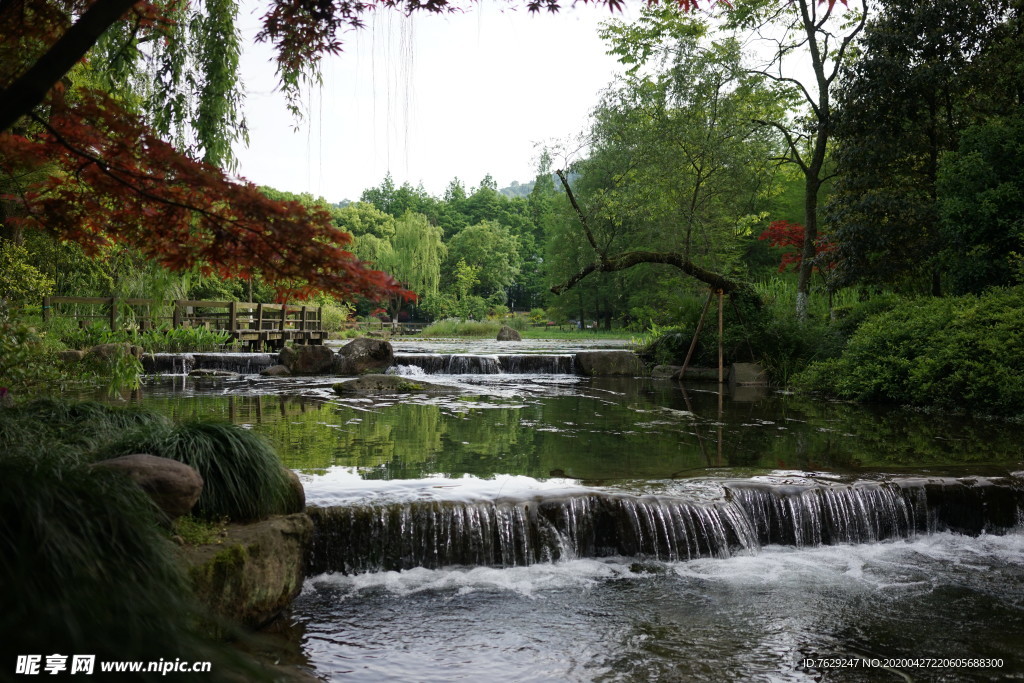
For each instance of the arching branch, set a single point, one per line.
(635, 258)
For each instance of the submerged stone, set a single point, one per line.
(385, 384)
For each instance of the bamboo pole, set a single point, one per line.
(696, 336)
(721, 340)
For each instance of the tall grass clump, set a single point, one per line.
(243, 479)
(79, 428)
(85, 565)
(462, 328)
(957, 353)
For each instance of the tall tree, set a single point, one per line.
(902, 105)
(799, 33)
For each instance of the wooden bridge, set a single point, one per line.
(256, 325)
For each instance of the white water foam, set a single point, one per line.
(345, 486)
(899, 566)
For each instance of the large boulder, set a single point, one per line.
(276, 371)
(609, 364)
(254, 571)
(506, 333)
(364, 355)
(173, 485)
(71, 355)
(312, 359)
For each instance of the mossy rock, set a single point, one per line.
(385, 384)
(251, 574)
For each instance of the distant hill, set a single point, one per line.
(517, 190)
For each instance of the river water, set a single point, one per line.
(543, 526)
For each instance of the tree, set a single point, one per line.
(192, 211)
(676, 166)
(981, 201)
(491, 248)
(902, 105)
(823, 41)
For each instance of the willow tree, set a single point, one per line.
(677, 170)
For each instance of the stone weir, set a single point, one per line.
(471, 364)
(747, 516)
(184, 363)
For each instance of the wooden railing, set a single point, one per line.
(248, 322)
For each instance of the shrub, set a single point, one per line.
(956, 353)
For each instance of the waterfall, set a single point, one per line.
(184, 363)
(471, 364)
(748, 516)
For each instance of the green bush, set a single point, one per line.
(960, 353)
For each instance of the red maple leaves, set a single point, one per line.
(111, 181)
(783, 233)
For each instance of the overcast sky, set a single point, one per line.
(428, 98)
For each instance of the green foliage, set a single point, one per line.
(960, 354)
(981, 200)
(492, 250)
(919, 81)
(25, 364)
(93, 573)
(463, 328)
(243, 479)
(20, 281)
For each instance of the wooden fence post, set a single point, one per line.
(303, 327)
(176, 314)
(232, 317)
(46, 309)
(259, 316)
(113, 314)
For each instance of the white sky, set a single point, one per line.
(428, 98)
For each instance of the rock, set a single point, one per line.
(307, 360)
(385, 384)
(747, 374)
(173, 485)
(252, 574)
(665, 371)
(609, 364)
(286, 356)
(506, 333)
(692, 373)
(71, 355)
(107, 352)
(364, 355)
(296, 493)
(276, 371)
(206, 372)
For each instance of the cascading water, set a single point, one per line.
(746, 517)
(184, 363)
(473, 364)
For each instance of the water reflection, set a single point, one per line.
(594, 430)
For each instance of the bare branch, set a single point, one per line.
(579, 212)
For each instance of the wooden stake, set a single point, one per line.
(721, 340)
(696, 336)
